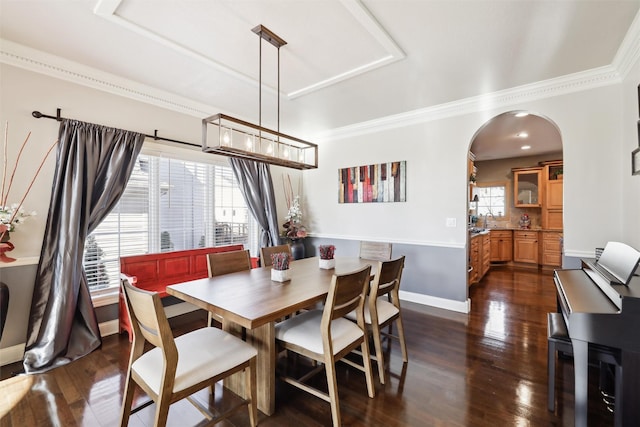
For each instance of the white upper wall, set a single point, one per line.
(436, 155)
(630, 141)
(597, 128)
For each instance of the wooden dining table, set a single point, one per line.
(251, 300)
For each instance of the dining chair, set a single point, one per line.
(220, 263)
(265, 254)
(174, 369)
(381, 312)
(326, 336)
(377, 251)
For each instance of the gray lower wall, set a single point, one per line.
(429, 270)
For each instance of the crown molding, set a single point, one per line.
(44, 63)
(629, 51)
(577, 82)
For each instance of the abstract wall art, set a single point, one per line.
(384, 182)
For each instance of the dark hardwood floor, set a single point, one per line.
(487, 368)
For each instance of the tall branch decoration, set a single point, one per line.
(12, 215)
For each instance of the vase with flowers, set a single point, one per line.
(294, 229)
(280, 268)
(13, 215)
(327, 261)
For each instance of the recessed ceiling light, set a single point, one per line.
(525, 147)
(522, 135)
(522, 114)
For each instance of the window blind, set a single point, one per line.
(168, 205)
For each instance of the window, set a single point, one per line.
(168, 205)
(492, 200)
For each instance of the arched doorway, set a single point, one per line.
(515, 180)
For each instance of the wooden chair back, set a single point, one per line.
(265, 253)
(228, 262)
(149, 323)
(346, 293)
(387, 281)
(378, 251)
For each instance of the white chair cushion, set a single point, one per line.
(304, 330)
(386, 310)
(202, 354)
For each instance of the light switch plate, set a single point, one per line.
(451, 222)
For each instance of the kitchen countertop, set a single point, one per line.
(480, 231)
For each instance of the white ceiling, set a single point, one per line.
(346, 61)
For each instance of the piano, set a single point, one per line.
(600, 304)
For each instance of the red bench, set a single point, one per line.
(154, 272)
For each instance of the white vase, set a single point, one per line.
(327, 264)
(280, 275)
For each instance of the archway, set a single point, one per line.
(504, 145)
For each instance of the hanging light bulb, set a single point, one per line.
(249, 143)
(226, 137)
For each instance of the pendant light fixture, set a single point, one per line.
(228, 136)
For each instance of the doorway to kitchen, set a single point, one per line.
(515, 194)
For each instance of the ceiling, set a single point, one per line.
(516, 134)
(346, 61)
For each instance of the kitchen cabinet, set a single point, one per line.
(471, 171)
(525, 246)
(552, 219)
(551, 248)
(485, 254)
(501, 246)
(479, 256)
(552, 208)
(554, 194)
(527, 187)
(474, 259)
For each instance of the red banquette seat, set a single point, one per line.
(154, 272)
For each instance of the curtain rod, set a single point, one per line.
(39, 115)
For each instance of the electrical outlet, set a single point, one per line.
(451, 222)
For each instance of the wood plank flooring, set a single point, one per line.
(486, 368)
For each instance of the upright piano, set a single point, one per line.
(600, 304)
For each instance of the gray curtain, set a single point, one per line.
(92, 169)
(257, 188)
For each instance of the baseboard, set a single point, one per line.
(109, 328)
(447, 304)
(11, 354)
(178, 309)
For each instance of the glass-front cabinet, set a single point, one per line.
(527, 187)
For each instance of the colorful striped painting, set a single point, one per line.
(384, 182)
